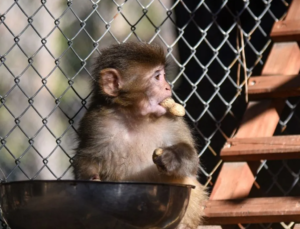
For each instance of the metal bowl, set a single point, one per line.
(88, 204)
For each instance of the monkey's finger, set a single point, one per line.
(157, 152)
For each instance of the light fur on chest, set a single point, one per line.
(129, 151)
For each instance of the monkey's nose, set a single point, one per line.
(168, 88)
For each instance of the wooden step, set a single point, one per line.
(294, 11)
(252, 210)
(288, 30)
(255, 149)
(235, 180)
(275, 86)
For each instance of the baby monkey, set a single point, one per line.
(133, 130)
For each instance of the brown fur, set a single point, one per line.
(116, 143)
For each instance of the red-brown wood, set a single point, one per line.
(294, 11)
(277, 86)
(234, 181)
(255, 149)
(260, 120)
(286, 31)
(283, 59)
(253, 210)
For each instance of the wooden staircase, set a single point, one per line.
(228, 203)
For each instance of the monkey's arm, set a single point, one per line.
(180, 158)
(91, 147)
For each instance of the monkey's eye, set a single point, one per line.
(157, 77)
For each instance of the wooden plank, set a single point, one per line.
(283, 59)
(294, 11)
(225, 187)
(290, 26)
(286, 31)
(252, 210)
(234, 181)
(277, 86)
(260, 120)
(255, 149)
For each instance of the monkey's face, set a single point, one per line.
(157, 91)
(141, 93)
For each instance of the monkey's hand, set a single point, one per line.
(174, 108)
(166, 161)
(179, 160)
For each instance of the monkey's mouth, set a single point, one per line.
(160, 110)
(162, 107)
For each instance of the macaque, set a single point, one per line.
(130, 132)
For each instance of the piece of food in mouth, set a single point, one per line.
(177, 110)
(167, 103)
(174, 108)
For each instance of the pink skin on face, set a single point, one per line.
(159, 90)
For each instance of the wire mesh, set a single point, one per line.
(47, 50)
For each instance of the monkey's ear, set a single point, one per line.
(110, 81)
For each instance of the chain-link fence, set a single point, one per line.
(47, 48)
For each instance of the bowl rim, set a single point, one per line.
(98, 182)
